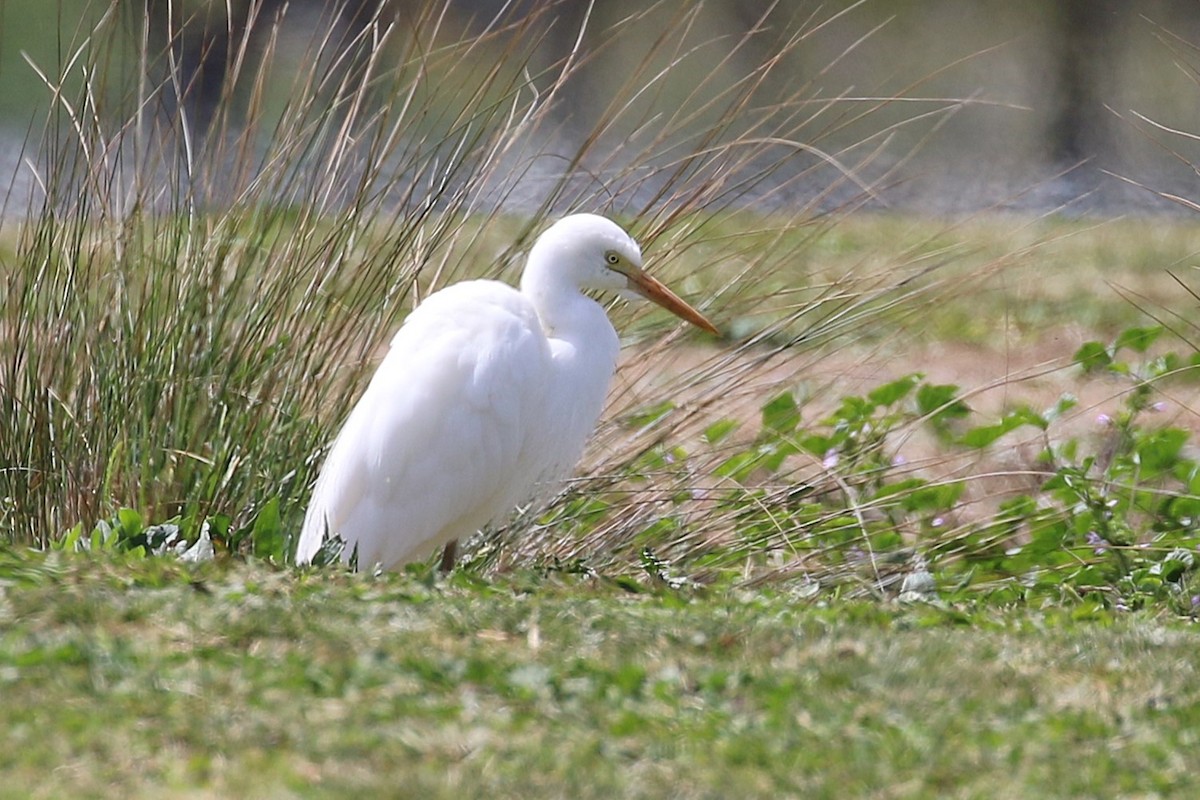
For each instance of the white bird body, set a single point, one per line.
(486, 393)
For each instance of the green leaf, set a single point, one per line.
(1165, 365)
(129, 523)
(781, 414)
(1025, 415)
(266, 537)
(915, 494)
(719, 430)
(652, 460)
(816, 444)
(738, 466)
(1065, 403)
(1046, 539)
(70, 541)
(1177, 562)
(648, 415)
(891, 393)
(1160, 450)
(1018, 507)
(1092, 356)
(900, 487)
(1137, 339)
(772, 455)
(984, 435)
(218, 527)
(853, 410)
(936, 497)
(940, 402)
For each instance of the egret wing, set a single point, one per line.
(439, 442)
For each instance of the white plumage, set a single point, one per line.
(485, 393)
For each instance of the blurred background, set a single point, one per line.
(1010, 104)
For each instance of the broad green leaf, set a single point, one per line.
(935, 497)
(1018, 507)
(717, 431)
(1092, 356)
(267, 534)
(737, 466)
(816, 444)
(129, 523)
(984, 435)
(1160, 450)
(941, 401)
(900, 487)
(1065, 403)
(1137, 339)
(891, 393)
(853, 409)
(1025, 415)
(1164, 365)
(773, 454)
(781, 414)
(915, 494)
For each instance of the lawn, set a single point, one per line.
(146, 678)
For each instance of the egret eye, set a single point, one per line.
(613, 258)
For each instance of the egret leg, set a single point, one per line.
(449, 555)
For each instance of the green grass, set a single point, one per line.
(149, 679)
(992, 281)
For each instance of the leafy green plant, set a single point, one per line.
(127, 532)
(860, 497)
(1115, 518)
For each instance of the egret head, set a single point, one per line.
(588, 251)
(592, 252)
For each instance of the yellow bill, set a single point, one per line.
(654, 291)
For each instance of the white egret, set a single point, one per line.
(485, 393)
